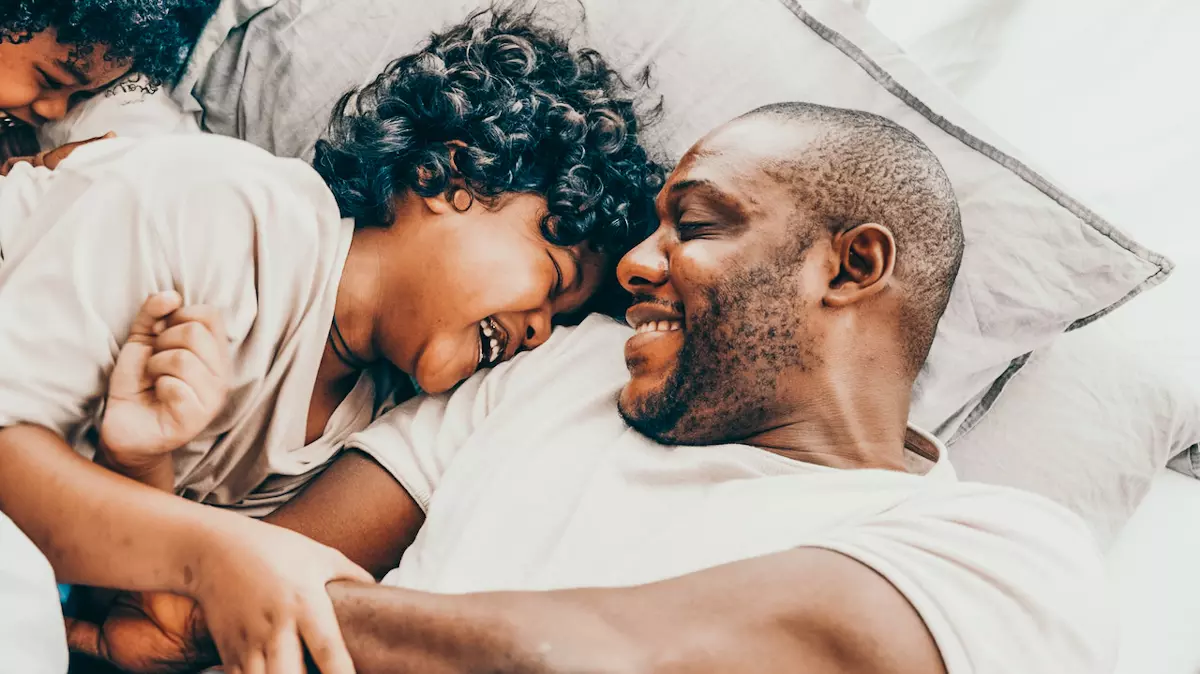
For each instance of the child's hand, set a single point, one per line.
(51, 158)
(259, 602)
(170, 381)
(265, 594)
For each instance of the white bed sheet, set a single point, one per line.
(1153, 567)
(1100, 95)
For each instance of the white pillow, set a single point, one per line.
(1089, 422)
(1037, 262)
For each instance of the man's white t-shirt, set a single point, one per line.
(224, 223)
(531, 481)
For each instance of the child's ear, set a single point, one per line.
(457, 198)
(867, 259)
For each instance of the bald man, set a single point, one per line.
(731, 485)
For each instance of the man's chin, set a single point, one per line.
(650, 413)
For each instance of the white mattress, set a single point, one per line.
(1153, 567)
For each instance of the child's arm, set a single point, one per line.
(261, 587)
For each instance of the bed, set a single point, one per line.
(1089, 94)
(1114, 122)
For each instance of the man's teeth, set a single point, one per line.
(660, 326)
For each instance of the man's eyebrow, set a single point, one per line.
(76, 72)
(691, 184)
(710, 191)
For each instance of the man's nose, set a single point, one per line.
(645, 266)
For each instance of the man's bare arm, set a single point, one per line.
(806, 610)
(356, 507)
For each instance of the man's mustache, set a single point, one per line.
(675, 307)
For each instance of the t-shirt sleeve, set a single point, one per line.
(68, 299)
(1005, 581)
(418, 441)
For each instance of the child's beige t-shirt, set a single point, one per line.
(224, 223)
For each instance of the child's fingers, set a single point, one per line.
(186, 413)
(52, 158)
(12, 162)
(183, 365)
(285, 655)
(128, 377)
(204, 314)
(156, 308)
(323, 637)
(255, 663)
(195, 337)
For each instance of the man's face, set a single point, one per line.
(725, 304)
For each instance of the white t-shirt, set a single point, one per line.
(225, 224)
(32, 637)
(130, 108)
(531, 480)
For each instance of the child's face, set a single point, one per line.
(481, 275)
(40, 78)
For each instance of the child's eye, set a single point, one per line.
(49, 81)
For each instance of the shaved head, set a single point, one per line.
(848, 167)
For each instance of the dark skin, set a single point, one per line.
(806, 610)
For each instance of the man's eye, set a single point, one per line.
(694, 229)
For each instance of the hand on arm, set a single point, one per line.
(806, 610)
(354, 506)
(262, 588)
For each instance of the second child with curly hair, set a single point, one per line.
(237, 315)
(56, 54)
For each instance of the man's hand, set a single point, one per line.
(151, 633)
(51, 158)
(170, 381)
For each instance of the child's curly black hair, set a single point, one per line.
(532, 116)
(157, 36)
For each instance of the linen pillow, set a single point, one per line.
(1089, 422)
(1037, 262)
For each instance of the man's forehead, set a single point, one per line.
(761, 137)
(738, 158)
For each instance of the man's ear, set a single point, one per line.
(867, 258)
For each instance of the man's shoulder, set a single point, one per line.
(595, 346)
(587, 358)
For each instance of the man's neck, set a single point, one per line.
(856, 423)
